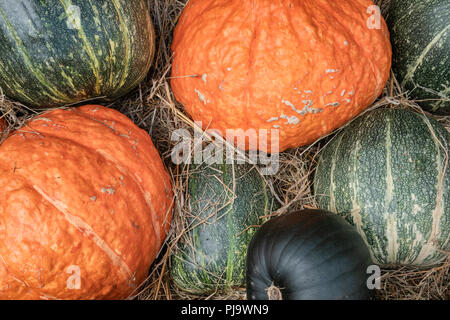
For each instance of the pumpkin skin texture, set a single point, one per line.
(56, 53)
(421, 45)
(386, 173)
(295, 67)
(308, 255)
(210, 256)
(83, 192)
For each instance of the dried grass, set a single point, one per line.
(153, 108)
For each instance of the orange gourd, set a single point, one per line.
(85, 206)
(303, 67)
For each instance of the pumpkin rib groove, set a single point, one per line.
(251, 60)
(355, 205)
(120, 167)
(313, 248)
(141, 189)
(391, 222)
(321, 282)
(332, 205)
(440, 182)
(11, 273)
(87, 232)
(288, 244)
(108, 157)
(271, 267)
(257, 254)
(347, 274)
(83, 210)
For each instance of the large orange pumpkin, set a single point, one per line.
(304, 67)
(85, 205)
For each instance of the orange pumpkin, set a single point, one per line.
(85, 205)
(303, 67)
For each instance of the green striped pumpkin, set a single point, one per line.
(225, 204)
(55, 53)
(387, 173)
(420, 35)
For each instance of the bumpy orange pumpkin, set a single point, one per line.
(85, 205)
(304, 67)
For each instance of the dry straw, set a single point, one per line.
(153, 108)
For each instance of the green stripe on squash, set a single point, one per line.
(225, 204)
(387, 173)
(420, 36)
(46, 60)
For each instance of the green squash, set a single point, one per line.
(226, 202)
(388, 174)
(420, 36)
(55, 53)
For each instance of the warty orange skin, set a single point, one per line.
(303, 67)
(83, 192)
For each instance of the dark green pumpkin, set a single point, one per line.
(54, 53)
(226, 202)
(420, 36)
(308, 255)
(388, 174)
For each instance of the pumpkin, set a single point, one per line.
(278, 74)
(307, 255)
(85, 206)
(421, 43)
(54, 53)
(225, 204)
(387, 173)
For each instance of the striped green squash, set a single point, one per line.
(420, 34)
(54, 53)
(225, 204)
(387, 173)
